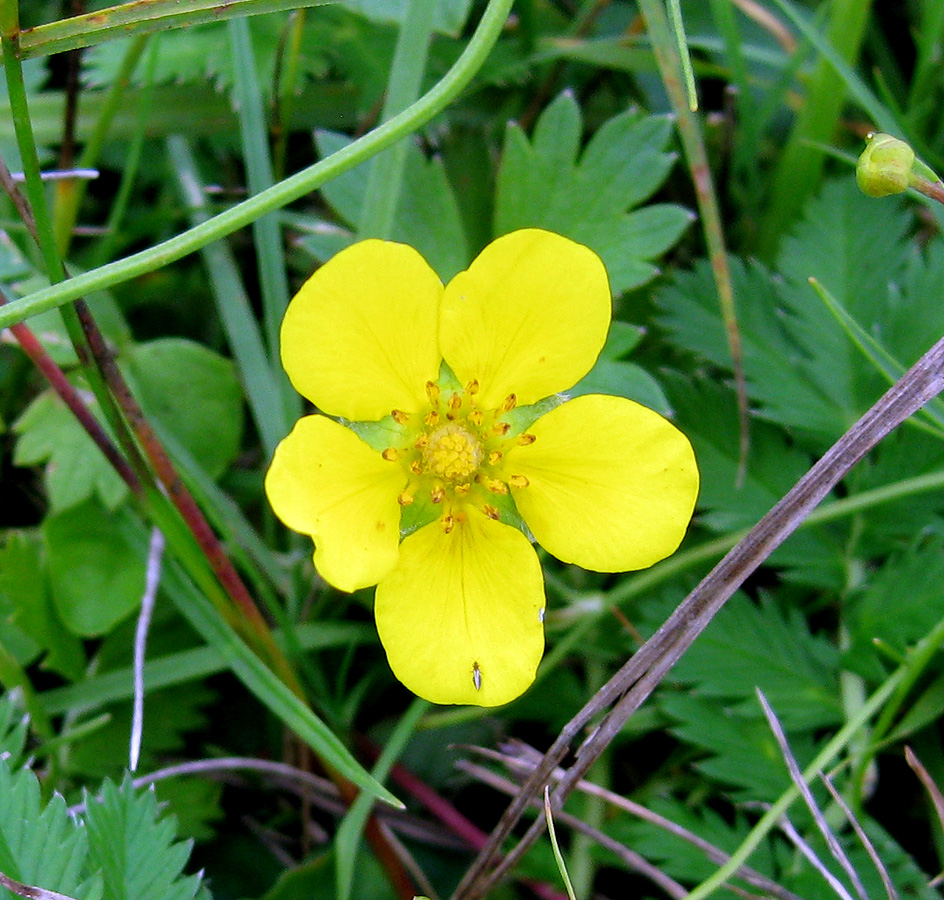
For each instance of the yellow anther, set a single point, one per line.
(400, 417)
(421, 442)
(431, 418)
(525, 439)
(448, 523)
(460, 490)
(476, 417)
(519, 481)
(405, 498)
(501, 428)
(494, 458)
(416, 468)
(455, 401)
(390, 454)
(493, 484)
(432, 391)
(491, 511)
(472, 387)
(437, 494)
(509, 403)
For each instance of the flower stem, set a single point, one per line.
(672, 69)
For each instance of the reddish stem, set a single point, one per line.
(34, 349)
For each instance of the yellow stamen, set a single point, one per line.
(416, 468)
(476, 417)
(437, 494)
(421, 442)
(405, 498)
(493, 484)
(400, 417)
(491, 511)
(390, 454)
(519, 481)
(472, 387)
(501, 428)
(461, 490)
(525, 439)
(431, 418)
(509, 403)
(448, 523)
(494, 458)
(432, 391)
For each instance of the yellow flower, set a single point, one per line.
(432, 501)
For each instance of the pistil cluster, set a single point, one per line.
(455, 453)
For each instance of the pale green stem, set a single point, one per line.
(281, 194)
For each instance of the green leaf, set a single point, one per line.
(801, 368)
(741, 750)
(134, 848)
(194, 803)
(747, 646)
(27, 609)
(542, 185)
(677, 857)
(76, 470)
(427, 215)
(856, 255)
(96, 572)
(623, 379)
(191, 392)
(38, 845)
(775, 367)
(13, 732)
(707, 414)
(899, 604)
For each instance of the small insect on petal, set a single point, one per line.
(476, 676)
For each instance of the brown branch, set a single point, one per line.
(628, 689)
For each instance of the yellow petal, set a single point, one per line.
(460, 616)
(612, 484)
(326, 482)
(529, 316)
(359, 339)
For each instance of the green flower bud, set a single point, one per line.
(885, 166)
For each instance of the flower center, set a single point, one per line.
(452, 453)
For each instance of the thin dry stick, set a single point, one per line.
(796, 776)
(786, 826)
(639, 676)
(522, 758)
(632, 860)
(863, 837)
(151, 582)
